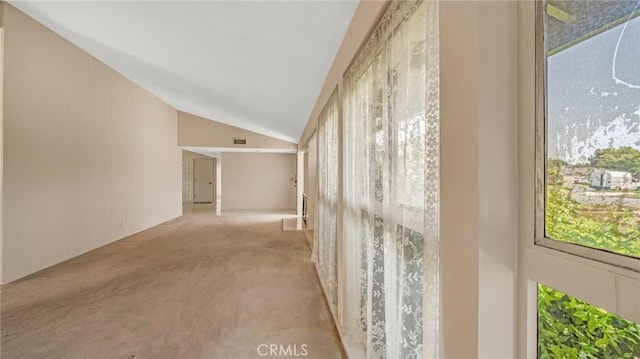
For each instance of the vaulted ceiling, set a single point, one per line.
(258, 65)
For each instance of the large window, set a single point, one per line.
(324, 249)
(588, 166)
(391, 187)
(589, 130)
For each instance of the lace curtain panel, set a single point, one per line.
(324, 249)
(391, 187)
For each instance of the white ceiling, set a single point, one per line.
(258, 65)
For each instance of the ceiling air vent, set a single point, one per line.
(239, 141)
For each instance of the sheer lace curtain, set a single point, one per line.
(391, 187)
(324, 249)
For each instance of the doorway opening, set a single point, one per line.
(203, 179)
(200, 182)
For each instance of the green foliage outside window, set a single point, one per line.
(612, 228)
(568, 327)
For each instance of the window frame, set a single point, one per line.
(540, 239)
(607, 285)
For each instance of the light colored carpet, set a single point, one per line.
(200, 286)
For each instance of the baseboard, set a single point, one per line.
(349, 354)
(308, 235)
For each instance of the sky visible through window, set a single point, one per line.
(587, 108)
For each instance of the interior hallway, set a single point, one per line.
(200, 286)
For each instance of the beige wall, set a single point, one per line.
(498, 200)
(1, 140)
(258, 181)
(89, 156)
(194, 131)
(187, 175)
